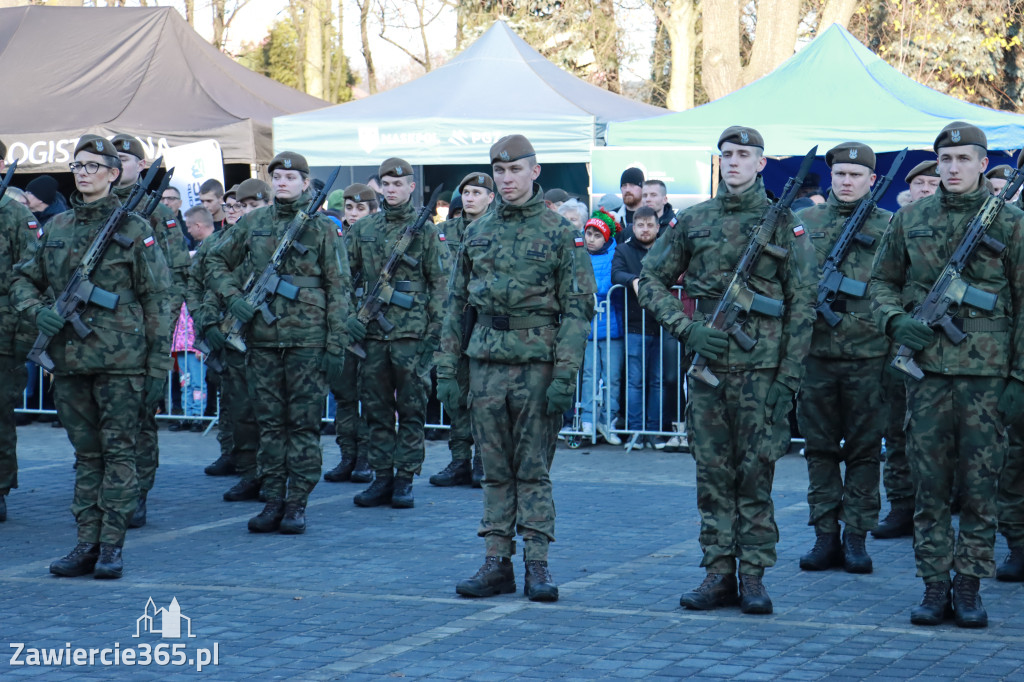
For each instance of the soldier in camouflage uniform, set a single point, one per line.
(104, 379)
(923, 180)
(958, 413)
(738, 430)
(237, 418)
(168, 235)
(19, 235)
(396, 370)
(350, 429)
(524, 271)
(288, 363)
(843, 379)
(477, 193)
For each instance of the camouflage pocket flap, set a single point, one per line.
(313, 297)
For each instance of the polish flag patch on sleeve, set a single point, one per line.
(798, 230)
(172, 223)
(340, 232)
(440, 236)
(35, 227)
(148, 241)
(579, 241)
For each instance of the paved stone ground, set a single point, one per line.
(369, 593)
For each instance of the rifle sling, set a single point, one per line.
(304, 282)
(409, 287)
(507, 322)
(851, 305)
(982, 324)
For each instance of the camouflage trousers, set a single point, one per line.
(460, 437)
(391, 385)
(351, 433)
(837, 403)
(237, 412)
(736, 450)
(147, 449)
(288, 391)
(101, 415)
(225, 429)
(1010, 503)
(954, 421)
(13, 377)
(516, 439)
(899, 489)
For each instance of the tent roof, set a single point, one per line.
(833, 90)
(145, 71)
(496, 86)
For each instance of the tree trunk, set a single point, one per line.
(364, 20)
(190, 12)
(605, 44)
(313, 64)
(836, 12)
(721, 71)
(682, 34)
(218, 24)
(774, 37)
(420, 8)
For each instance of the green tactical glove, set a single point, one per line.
(560, 395)
(907, 331)
(425, 356)
(356, 329)
(778, 403)
(448, 392)
(241, 309)
(334, 364)
(708, 341)
(1011, 402)
(214, 338)
(49, 322)
(153, 392)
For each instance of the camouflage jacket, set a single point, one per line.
(454, 229)
(316, 318)
(920, 240)
(521, 261)
(371, 242)
(706, 244)
(204, 304)
(19, 235)
(856, 336)
(168, 235)
(135, 337)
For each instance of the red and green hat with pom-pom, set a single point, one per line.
(605, 223)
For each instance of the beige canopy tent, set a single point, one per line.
(66, 71)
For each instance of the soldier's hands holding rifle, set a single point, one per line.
(49, 321)
(705, 340)
(241, 309)
(913, 334)
(214, 338)
(355, 328)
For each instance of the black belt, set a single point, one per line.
(304, 282)
(851, 305)
(507, 322)
(982, 324)
(408, 287)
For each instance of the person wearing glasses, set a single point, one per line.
(232, 207)
(104, 379)
(132, 156)
(171, 198)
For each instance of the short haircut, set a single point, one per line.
(174, 189)
(212, 185)
(372, 178)
(645, 212)
(574, 205)
(199, 213)
(657, 182)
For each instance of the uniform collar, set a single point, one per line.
(843, 208)
(96, 210)
(534, 206)
(289, 209)
(398, 214)
(963, 202)
(754, 197)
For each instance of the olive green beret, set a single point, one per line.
(96, 145)
(477, 180)
(1000, 171)
(927, 168)
(289, 161)
(959, 133)
(359, 193)
(395, 167)
(128, 144)
(556, 194)
(253, 188)
(851, 152)
(511, 148)
(741, 135)
(231, 192)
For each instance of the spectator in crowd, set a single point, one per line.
(555, 197)
(643, 350)
(211, 193)
(373, 182)
(903, 198)
(171, 198)
(575, 212)
(43, 199)
(655, 195)
(602, 362)
(611, 203)
(18, 195)
(631, 187)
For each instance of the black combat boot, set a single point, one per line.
(855, 554)
(1010, 571)
(539, 584)
(110, 565)
(245, 489)
(268, 520)
(342, 472)
(3, 508)
(968, 611)
(936, 605)
(222, 466)
(478, 471)
(138, 519)
(827, 553)
(754, 595)
(378, 493)
(718, 589)
(456, 473)
(79, 561)
(401, 495)
(494, 577)
(899, 523)
(294, 521)
(362, 473)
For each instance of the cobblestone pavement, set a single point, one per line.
(369, 593)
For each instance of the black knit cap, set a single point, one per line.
(632, 176)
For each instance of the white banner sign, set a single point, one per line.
(193, 165)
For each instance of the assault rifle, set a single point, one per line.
(383, 294)
(80, 291)
(259, 291)
(950, 291)
(7, 179)
(157, 196)
(739, 299)
(833, 282)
